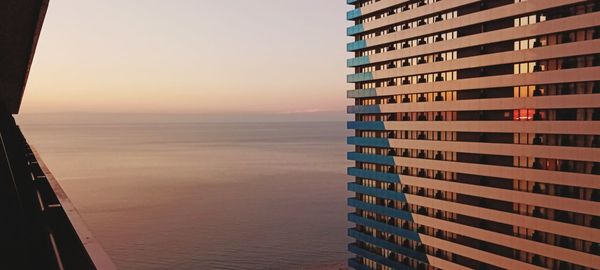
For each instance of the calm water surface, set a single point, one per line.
(204, 195)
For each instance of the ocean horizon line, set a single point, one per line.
(125, 117)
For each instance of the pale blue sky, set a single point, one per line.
(190, 56)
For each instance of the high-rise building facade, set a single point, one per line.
(476, 134)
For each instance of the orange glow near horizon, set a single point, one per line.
(189, 57)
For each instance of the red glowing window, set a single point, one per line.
(523, 114)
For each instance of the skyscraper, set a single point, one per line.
(476, 134)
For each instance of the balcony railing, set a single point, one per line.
(40, 227)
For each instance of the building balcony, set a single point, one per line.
(387, 245)
(41, 227)
(377, 258)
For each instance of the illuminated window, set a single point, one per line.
(525, 91)
(523, 114)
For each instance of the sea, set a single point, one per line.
(158, 193)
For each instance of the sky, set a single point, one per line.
(190, 56)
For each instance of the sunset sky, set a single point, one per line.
(190, 56)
